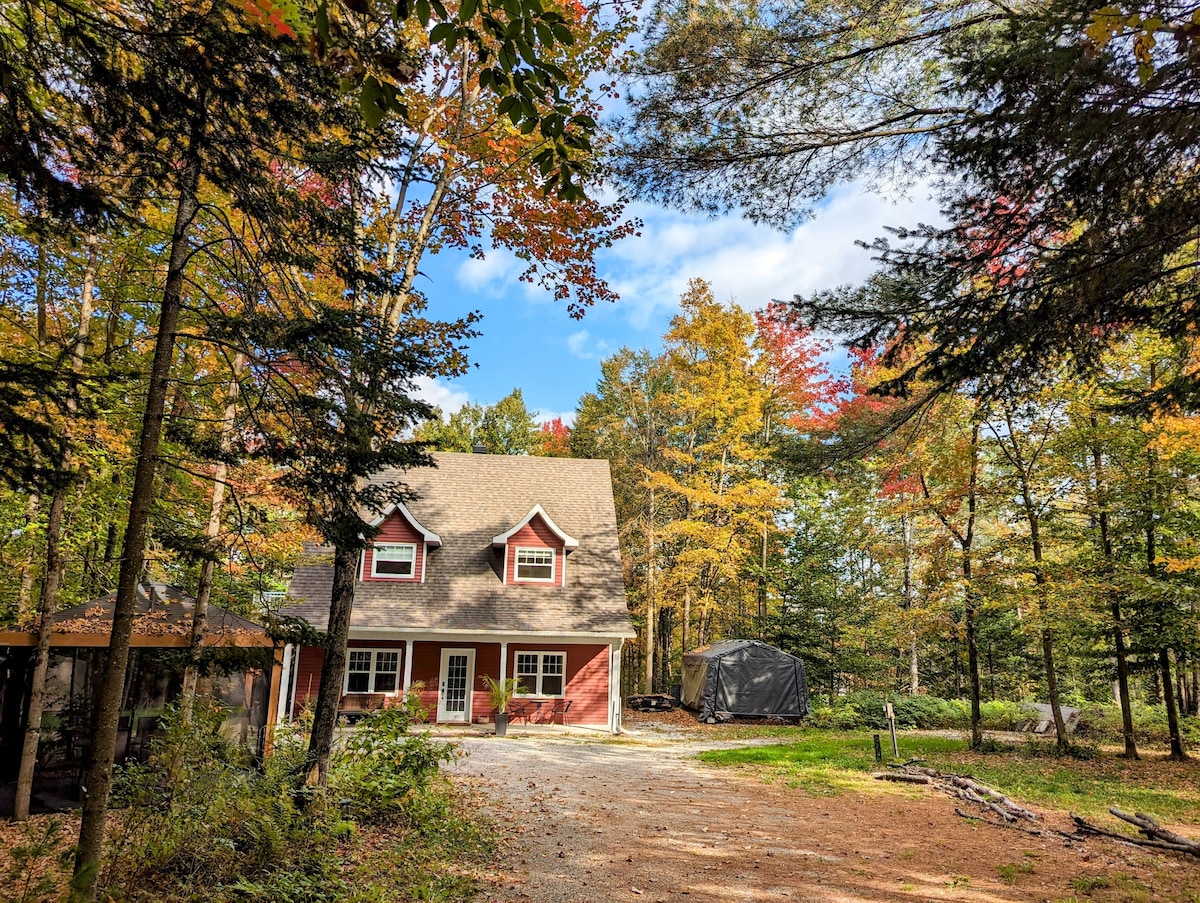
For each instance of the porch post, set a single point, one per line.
(282, 709)
(614, 687)
(503, 662)
(408, 649)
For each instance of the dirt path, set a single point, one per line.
(599, 821)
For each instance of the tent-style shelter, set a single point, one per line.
(744, 678)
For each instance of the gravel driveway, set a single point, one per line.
(597, 820)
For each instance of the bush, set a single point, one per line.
(1101, 721)
(203, 815)
(863, 710)
(998, 715)
(203, 820)
(384, 771)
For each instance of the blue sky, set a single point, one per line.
(531, 343)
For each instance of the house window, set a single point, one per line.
(535, 564)
(541, 673)
(372, 670)
(394, 560)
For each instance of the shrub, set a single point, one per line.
(999, 715)
(1102, 721)
(205, 820)
(383, 770)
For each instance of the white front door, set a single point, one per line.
(455, 684)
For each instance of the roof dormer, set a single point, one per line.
(400, 547)
(568, 542)
(535, 550)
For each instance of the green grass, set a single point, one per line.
(827, 762)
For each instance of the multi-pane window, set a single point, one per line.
(541, 673)
(535, 564)
(372, 670)
(397, 559)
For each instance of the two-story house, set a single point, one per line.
(499, 565)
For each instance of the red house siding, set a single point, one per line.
(587, 674)
(396, 529)
(308, 676)
(311, 658)
(587, 678)
(536, 535)
(427, 668)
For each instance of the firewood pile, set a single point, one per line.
(992, 802)
(651, 702)
(1152, 833)
(967, 789)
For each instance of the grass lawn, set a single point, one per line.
(828, 762)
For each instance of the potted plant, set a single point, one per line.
(500, 694)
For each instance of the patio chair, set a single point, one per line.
(518, 710)
(560, 710)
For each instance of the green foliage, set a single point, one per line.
(1102, 722)
(500, 692)
(37, 866)
(261, 840)
(386, 771)
(504, 428)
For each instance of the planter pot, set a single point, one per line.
(501, 724)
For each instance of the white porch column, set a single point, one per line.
(614, 687)
(503, 662)
(282, 711)
(408, 652)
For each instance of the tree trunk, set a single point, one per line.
(333, 668)
(648, 632)
(104, 739)
(1023, 469)
(687, 618)
(1164, 652)
(1164, 665)
(211, 532)
(25, 588)
(48, 601)
(41, 656)
(914, 676)
(1118, 630)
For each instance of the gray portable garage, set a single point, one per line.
(744, 678)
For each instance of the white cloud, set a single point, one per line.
(439, 394)
(491, 275)
(754, 264)
(568, 417)
(582, 345)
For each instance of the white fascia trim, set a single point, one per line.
(485, 636)
(569, 542)
(429, 536)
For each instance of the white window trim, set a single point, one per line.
(377, 576)
(517, 550)
(400, 664)
(541, 672)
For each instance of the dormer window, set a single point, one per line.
(535, 550)
(535, 564)
(394, 559)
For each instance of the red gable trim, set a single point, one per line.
(568, 541)
(398, 507)
(395, 528)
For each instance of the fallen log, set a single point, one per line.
(1190, 847)
(902, 777)
(1036, 832)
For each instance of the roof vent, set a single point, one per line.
(479, 448)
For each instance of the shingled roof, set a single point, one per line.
(468, 499)
(163, 618)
